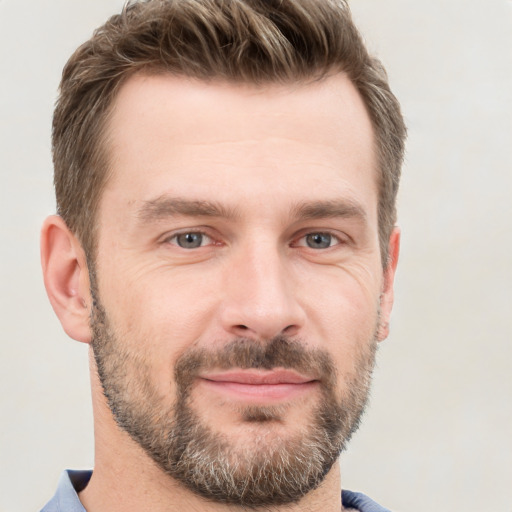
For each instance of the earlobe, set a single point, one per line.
(387, 295)
(66, 278)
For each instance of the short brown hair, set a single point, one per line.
(254, 41)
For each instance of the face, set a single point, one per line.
(238, 285)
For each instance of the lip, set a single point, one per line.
(257, 377)
(257, 386)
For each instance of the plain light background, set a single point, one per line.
(438, 434)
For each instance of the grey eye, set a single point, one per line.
(319, 240)
(190, 240)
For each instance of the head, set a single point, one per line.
(226, 174)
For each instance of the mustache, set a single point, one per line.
(245, 353)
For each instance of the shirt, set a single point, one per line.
(71, 482)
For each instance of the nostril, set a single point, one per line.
(242, 327)
(290, 329)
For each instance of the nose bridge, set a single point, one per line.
(260, 298)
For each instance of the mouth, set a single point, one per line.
(263, 387)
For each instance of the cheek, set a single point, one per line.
(163, 310)
(342, 309)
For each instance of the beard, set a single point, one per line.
(267, 469)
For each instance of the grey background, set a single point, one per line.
(438, 433)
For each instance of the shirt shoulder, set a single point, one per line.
(360, 502)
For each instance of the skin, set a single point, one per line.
(262, 156)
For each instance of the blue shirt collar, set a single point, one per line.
(71, 482)
(66, 499)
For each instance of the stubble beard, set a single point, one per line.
(266, 469)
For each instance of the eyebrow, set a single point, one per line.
(329, 209)
(165, 206)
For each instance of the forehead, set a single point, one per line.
(168, 128)
(332, 101)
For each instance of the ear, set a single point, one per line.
(66, 277)
(387, 295)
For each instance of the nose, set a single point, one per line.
(260, 296)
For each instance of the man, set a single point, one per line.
(226, 174)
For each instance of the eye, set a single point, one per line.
(190, 240)
(318, 240)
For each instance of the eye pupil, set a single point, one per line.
(319, 240)
(190, 240)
